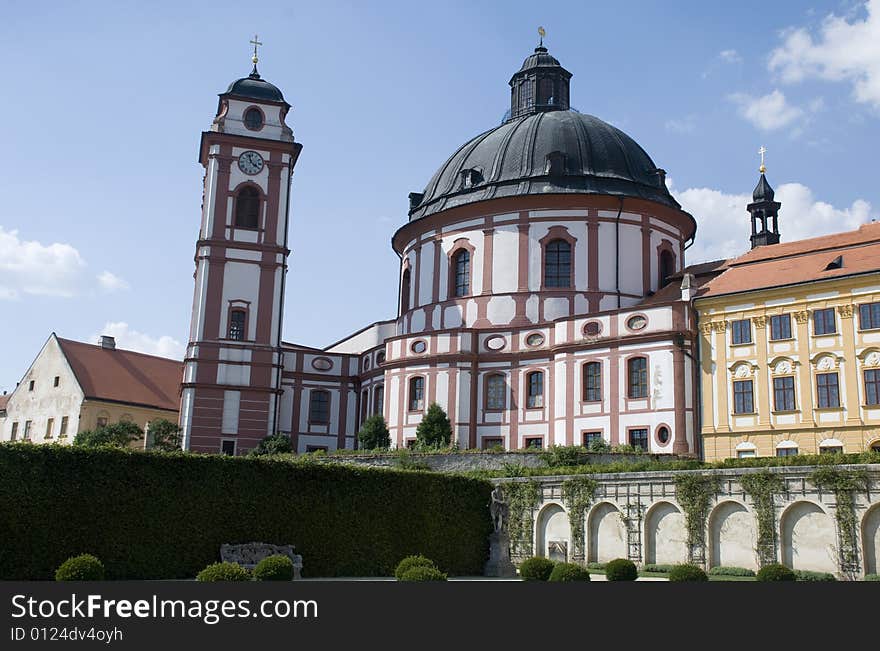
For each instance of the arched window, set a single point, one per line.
(592, 382)
(416, 393)
(496, 392)
(379, 399)
(535, 390)
(319, 407)
(667, 266)
(404, 292)
(637, 377)
(461, 263)
(557, 264)
(236, 324)
(253, 119)
(365, 404)
(247, 208)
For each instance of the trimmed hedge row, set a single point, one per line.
(153, 515)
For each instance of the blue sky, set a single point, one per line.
(104, 102)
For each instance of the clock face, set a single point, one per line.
(250, 162)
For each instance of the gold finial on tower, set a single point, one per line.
(255, 43)
(542, 33)
(762, 151)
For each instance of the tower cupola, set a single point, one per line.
(764, 210)
(541, 84)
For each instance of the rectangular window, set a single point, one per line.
(379, 399)
(63, 431)
(592, 382)
(746, 454)
(57, 381)
(495, 392)
(236, 324)
(742, 331)
(786, 452)
(743, 397)
(31, 385)
(869, 316)
(872, 387)
(535, 398)
(417, 394)
(27, 429)
(637, 384)
(410, 444)
(50, 425)
(590, 438)
(823, 322)
(489, 443)
(831, 449)
(365, 404)
(227, 447)
(534, 442)
(319, 407)
(14, 432)
(316, 448)
(783, 393)
(780, 327)
(638, 438)
(828, 391)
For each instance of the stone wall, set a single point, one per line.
(639, 516)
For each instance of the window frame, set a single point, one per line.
(872, 386)
(824, 312)
(647, 438)
(588, 436)
(787, 452)
(738, 328)
(237, 309)
(773, 322)
(488, 405)
(529, 440)
(496, 440)
(253, 192)
(313, 394)
(591, 383)
(223, 443)
(379, 399)
(824, 394)
(416, 384)
(50, 425)
(250, 110)
(63, 431)
(13, 434)
(644, 380)
(535, 400)
(405, 290)
(460, 250)
(786, 390)
(873, 313)
(551, 239)
(737, 394)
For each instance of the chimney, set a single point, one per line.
(687, 287)
(108, 342)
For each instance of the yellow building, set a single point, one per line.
(790, 346)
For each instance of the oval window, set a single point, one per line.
(419, 346)
(535, 339)
(380, 357)
(366, 363)
(495, 343)
(663, 435)
(322, 364)
(253, 119)
(636, 322)
(592, 329)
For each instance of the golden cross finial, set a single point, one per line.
(255, 43)
(542, 34)
(762, 151)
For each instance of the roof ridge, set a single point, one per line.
(829, 246)
(120, 350)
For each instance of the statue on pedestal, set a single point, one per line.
(499, 563)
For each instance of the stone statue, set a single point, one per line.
(499, 563)
(499, 510)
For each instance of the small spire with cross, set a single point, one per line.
(762, 151)
(256, 42)
(541, 33)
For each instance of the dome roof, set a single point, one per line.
(255, 87)
(540, 153)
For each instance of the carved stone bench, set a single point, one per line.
(249, 554)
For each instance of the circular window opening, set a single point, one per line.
(495, 343)
(636, 322)
(663, 435)
(380, 358)
(366, 363)
(535, 339)
(419, 346)
(592, 329)
(253, 119)
(322, 364)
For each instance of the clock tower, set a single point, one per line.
(232, 372)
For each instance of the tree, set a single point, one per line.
(117, 435)
(435, 429)
(273, 444)
(374, 433)
(165, 435)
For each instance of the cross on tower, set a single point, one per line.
(255, 43)
(762, 151)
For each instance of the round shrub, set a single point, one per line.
(775, 572)
(806, 575)
(84, 567)
(410, 562)
(422, 573)
(536, 568)
(224, 572)
(569, 572)
(274, 568)
(872, 577)
(687, 572)
(621, 569)
(722, 570)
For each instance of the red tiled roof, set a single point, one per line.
(125, 376)
(3, 401)
(702, 272)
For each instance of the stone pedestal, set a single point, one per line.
(499, 563)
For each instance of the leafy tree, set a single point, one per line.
(435, 429)
(165, 435)
(273, 444)
(117, 435)
(374, 433)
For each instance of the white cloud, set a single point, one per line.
(128, 339)
(29, 267)
(683, 125)
(724, 227)
(767, 112)
(730, 56)
(110, 282)
(842, 51)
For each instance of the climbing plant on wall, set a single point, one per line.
(522, 498)
(762, 487)
(694, 493)
(844, 483)
(577, 494)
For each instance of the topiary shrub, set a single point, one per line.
(84, 567)
(776, 572)
(872, 577)
(563, 572)
(422, 573)
(722, 570)
(274, 568)
(621, 569)
(658, 569)
(687, 573)
(410, 562)
(596, 566)
(536, 568)
(807, 575)
(224, 572)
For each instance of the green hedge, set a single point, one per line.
(153, 515)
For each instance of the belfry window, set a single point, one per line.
(236, 324)
(247, 208)
(462, 265)
(557, 264)
(253, 119)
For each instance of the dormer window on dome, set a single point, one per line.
(471, 177)
(555, 163)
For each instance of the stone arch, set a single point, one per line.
(606, 534)
(553, 533)
(665, 534)
(807, 536)
(733, 536)
(871, 539)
